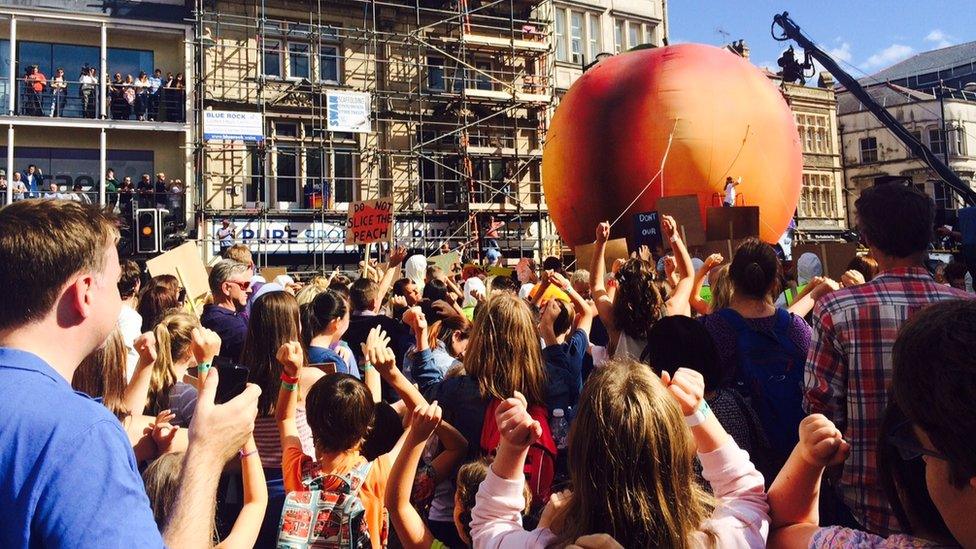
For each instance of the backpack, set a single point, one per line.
(540, 464)
(329, 515)
(770, 376)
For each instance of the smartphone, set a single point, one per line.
(233, 379)
(327, 367)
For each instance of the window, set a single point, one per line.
(70, 166)
(957, 142)
(271, 54)
(593, 36)
(817, 199)
(298, 61)
(945, 197)
(869, 150)
(286, 161)
(329, 63)
(648, 34)
(633, 34)
(618, 36)
(935, 141)
(284, 129)
(435, 73)
(561, 35)
(481, 80)
(576, 37)
(345, 175)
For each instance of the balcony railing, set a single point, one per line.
(76, 100)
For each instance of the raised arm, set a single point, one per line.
(795, 494)
(248, 523)
(678, 302)
(598, 274)
(397, 255)
(216, 433)
(697, 303)
(584, 313)
(817, 288)
(292, 358)
(409, 526)
(383, 360)
(137, 391)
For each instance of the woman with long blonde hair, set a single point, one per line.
(503, 355)
(174, 356)
(631, 451)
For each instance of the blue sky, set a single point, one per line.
(869, 34)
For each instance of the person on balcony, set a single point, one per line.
(88, 91)
(129, 94)
(155, 90)
(59, 93)
(116, 92)
(142, 95)
(33, 180)
(34, 84)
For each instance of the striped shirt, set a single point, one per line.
(269, 442)
(848, 374)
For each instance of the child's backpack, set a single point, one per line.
(329, 515)
(540, 465)
(770, 374)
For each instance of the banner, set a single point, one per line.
(369, 221)
(232, 125)
(348, 111)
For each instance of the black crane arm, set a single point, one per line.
(791, 31)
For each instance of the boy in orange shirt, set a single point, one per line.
(339, 409)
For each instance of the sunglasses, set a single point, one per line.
(182, 297)
(242, 285)
(909, 448)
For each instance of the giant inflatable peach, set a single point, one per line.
(610, 133)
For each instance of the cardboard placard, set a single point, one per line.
(445, 261)
(834, 256)
(495, 270)
(725, 247)
(369, 221)
(732, 223)
(686, 213)
(270, 273)
(183, 262)
(616, 249)
(647, 230)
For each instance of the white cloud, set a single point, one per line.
(842, 53)
(939, 38)
(889, 56)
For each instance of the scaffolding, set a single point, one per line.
(461, 94)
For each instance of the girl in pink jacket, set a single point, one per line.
(631, 452)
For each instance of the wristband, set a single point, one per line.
(699, 416)
(288, 379)
(202, 369)
(369, 366)
(244, 454)
(289, 386)
(674, 238)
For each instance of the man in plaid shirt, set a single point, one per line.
(848, 369)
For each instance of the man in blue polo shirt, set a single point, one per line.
(230, 285)
(68, 476)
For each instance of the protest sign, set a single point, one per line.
(834, 256)
(445, 261)
(647, 230)
(616, 249)
(185, 264)
(687, 215)
(369, 221)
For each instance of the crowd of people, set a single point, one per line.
(121, 196)
(148, 96)
(417, 406)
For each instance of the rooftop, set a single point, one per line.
(927, 62)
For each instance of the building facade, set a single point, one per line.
(822, 210)
(584, 29)
(871, 151)
(455, 100)
(74, 129)
(932, 94)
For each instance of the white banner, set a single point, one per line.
(348, 111)
(232, 125)
(299, 237)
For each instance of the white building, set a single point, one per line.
(910, 92)
(586, 28)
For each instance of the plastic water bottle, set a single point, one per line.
(560, 428)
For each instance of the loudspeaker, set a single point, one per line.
(733, 223)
